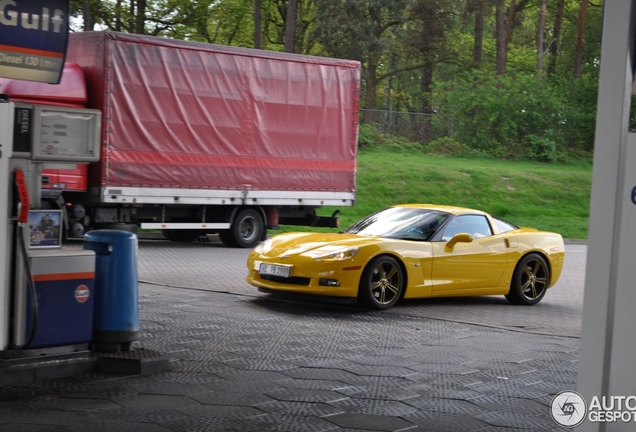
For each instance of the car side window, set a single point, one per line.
(475, 225)
(504, 226)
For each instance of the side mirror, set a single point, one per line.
(459, 238)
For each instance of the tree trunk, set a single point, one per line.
(556, 32)
(501, 38)
(425, 132)
(540, 35)
(140, 19)
(385, 122)
(290, 26)
(258, 32)
(509, 24)
(118, 16)
(578, 58)
(370, 100)
(130, 19)
(478, 48)
(86, 15)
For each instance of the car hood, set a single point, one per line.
(314, 244)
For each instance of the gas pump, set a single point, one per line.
(45, 287)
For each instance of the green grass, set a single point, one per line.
(549, 197)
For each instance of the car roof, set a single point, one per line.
(448, 209)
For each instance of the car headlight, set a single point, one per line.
(339, 254)
(263, 247)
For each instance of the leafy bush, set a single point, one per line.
(517, 116)
(447, 146)
(370, 137)
(541, 148)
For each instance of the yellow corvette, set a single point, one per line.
(412, 251)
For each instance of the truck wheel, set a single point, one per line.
(246, 231)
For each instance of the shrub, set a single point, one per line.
(447, 146)
(541, 148)
(370, 137)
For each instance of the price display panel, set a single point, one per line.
(66, 134)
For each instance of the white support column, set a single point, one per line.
(608, 346)
(6, 144)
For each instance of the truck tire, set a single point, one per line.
(246, 231)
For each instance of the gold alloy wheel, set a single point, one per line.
(530, 280)
(386, 281)
(534, 280)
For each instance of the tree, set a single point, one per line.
(578, 58)
(140, 18)
(501, 38)
(510, 22)
(361, 30)
(556, 32)
(478, 9)
(428, 35)
(540, 34)
(258, 31)
(89, 11)
(290, 25)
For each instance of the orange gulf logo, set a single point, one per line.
(81, 293)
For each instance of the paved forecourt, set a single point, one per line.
(240, 361)
(211, 266)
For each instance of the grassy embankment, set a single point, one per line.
(549, 197)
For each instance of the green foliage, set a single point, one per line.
(591, 37)
(577, 119)
(447, 146)
(369, 136)
(541, 148)
(519, 115)
(353, 29)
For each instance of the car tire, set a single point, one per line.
(382, 283)
(530, 280)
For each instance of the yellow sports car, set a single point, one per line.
(412, 251)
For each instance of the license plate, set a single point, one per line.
(275, 270)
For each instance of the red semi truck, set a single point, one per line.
(199, 138)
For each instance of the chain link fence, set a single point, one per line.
(416, 127)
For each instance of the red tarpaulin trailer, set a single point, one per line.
(194, 135)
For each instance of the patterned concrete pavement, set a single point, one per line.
(211, 266)
(241, 361)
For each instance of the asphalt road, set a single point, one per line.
(211, 266)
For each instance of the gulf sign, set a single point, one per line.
(82, 293)
(33, 39)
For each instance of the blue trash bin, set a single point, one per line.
(116, 303)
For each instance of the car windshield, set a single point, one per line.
(402, 223)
